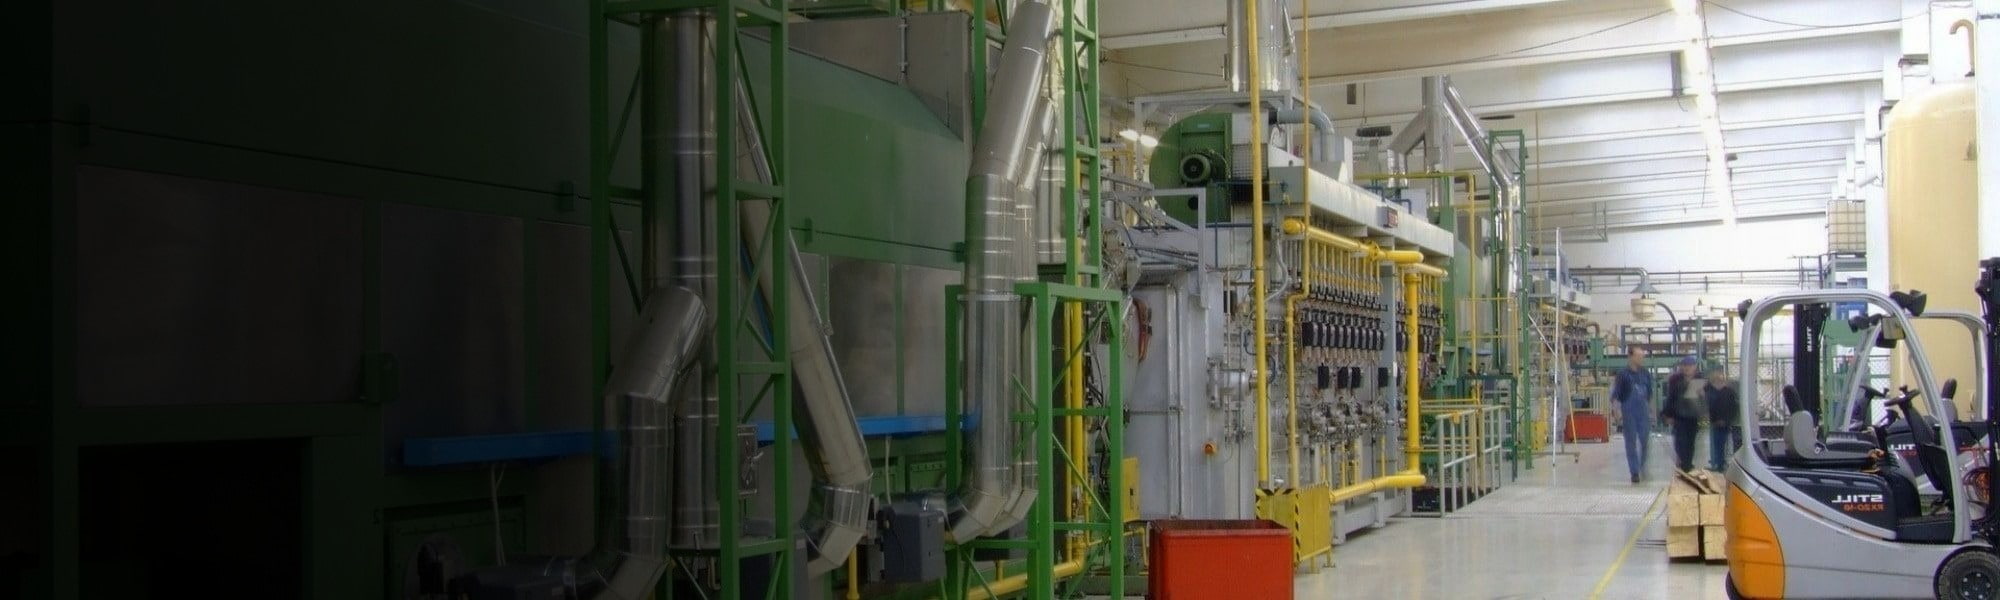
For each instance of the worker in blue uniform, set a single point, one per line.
(1632, 394)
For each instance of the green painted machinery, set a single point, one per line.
(1196, 153)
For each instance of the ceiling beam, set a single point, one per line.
(1641, 49)
(1697, 153)
(1372, 16)
(1631, 134)
(1783, 215)
(1818, 164)
(1821, 197)
(1685, 192)
(1640, 96)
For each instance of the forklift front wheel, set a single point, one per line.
(1969, 575)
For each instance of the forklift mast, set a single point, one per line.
(1988, 290)
(1808, 324)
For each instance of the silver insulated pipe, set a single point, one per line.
(997, 240)
(832, 443)
(1276, 68)
(633, 525)
(831, 440)
(680, 51)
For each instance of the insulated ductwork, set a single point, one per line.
(1500, 164)
(637, 411)
(1320, 122)
(831, 440)
(1039, 209)
(679, 85)
(681, 139)
(1326, 146)
(634, 481)
(997, 240)
(1042, 178)
(1275, 68)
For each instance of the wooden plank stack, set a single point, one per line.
(1694, 516)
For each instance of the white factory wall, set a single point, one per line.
(1749, 245)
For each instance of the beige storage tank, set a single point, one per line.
(1933, 180)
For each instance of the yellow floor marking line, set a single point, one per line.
(1605, 581)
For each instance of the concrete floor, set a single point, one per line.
(1555, 533)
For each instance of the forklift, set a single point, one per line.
(1813, 513)
(1850, 415)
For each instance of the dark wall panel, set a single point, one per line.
(489, 90)
(192, 291)
(452, 317)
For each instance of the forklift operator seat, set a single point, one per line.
(1804, 448)
(1930, 450)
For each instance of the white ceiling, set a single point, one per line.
(1591, 81)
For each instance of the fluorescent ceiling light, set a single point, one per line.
(1148, 141)
(1698, 67)
(1130, 135)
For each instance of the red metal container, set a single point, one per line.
(1219, 560)
(1587, 427)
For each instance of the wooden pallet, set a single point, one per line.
(1694, 516)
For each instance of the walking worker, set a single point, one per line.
(1681, 408)
(1724, 436)
(1632, 394)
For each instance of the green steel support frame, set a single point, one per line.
(1080, 283)
(751, 366)
(1106, 519)
(1517, 360)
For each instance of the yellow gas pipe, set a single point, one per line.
(853, 577)
(1258, 285)
(1015, 583)
(1073, 341)
(1411, 398)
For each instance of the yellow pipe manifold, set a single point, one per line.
(1409, 260)
(1414, 270)
(1411, 476)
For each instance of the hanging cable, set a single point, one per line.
(1727, 8)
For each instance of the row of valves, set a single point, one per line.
(1345, 297)
(1332, 330)
(1348, 377)
(1342, 420)
(1430, 323)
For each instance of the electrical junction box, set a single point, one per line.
(912, 542)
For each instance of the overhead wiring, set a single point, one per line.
(1727, 8)
(1569, 39)
(1160, 68)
